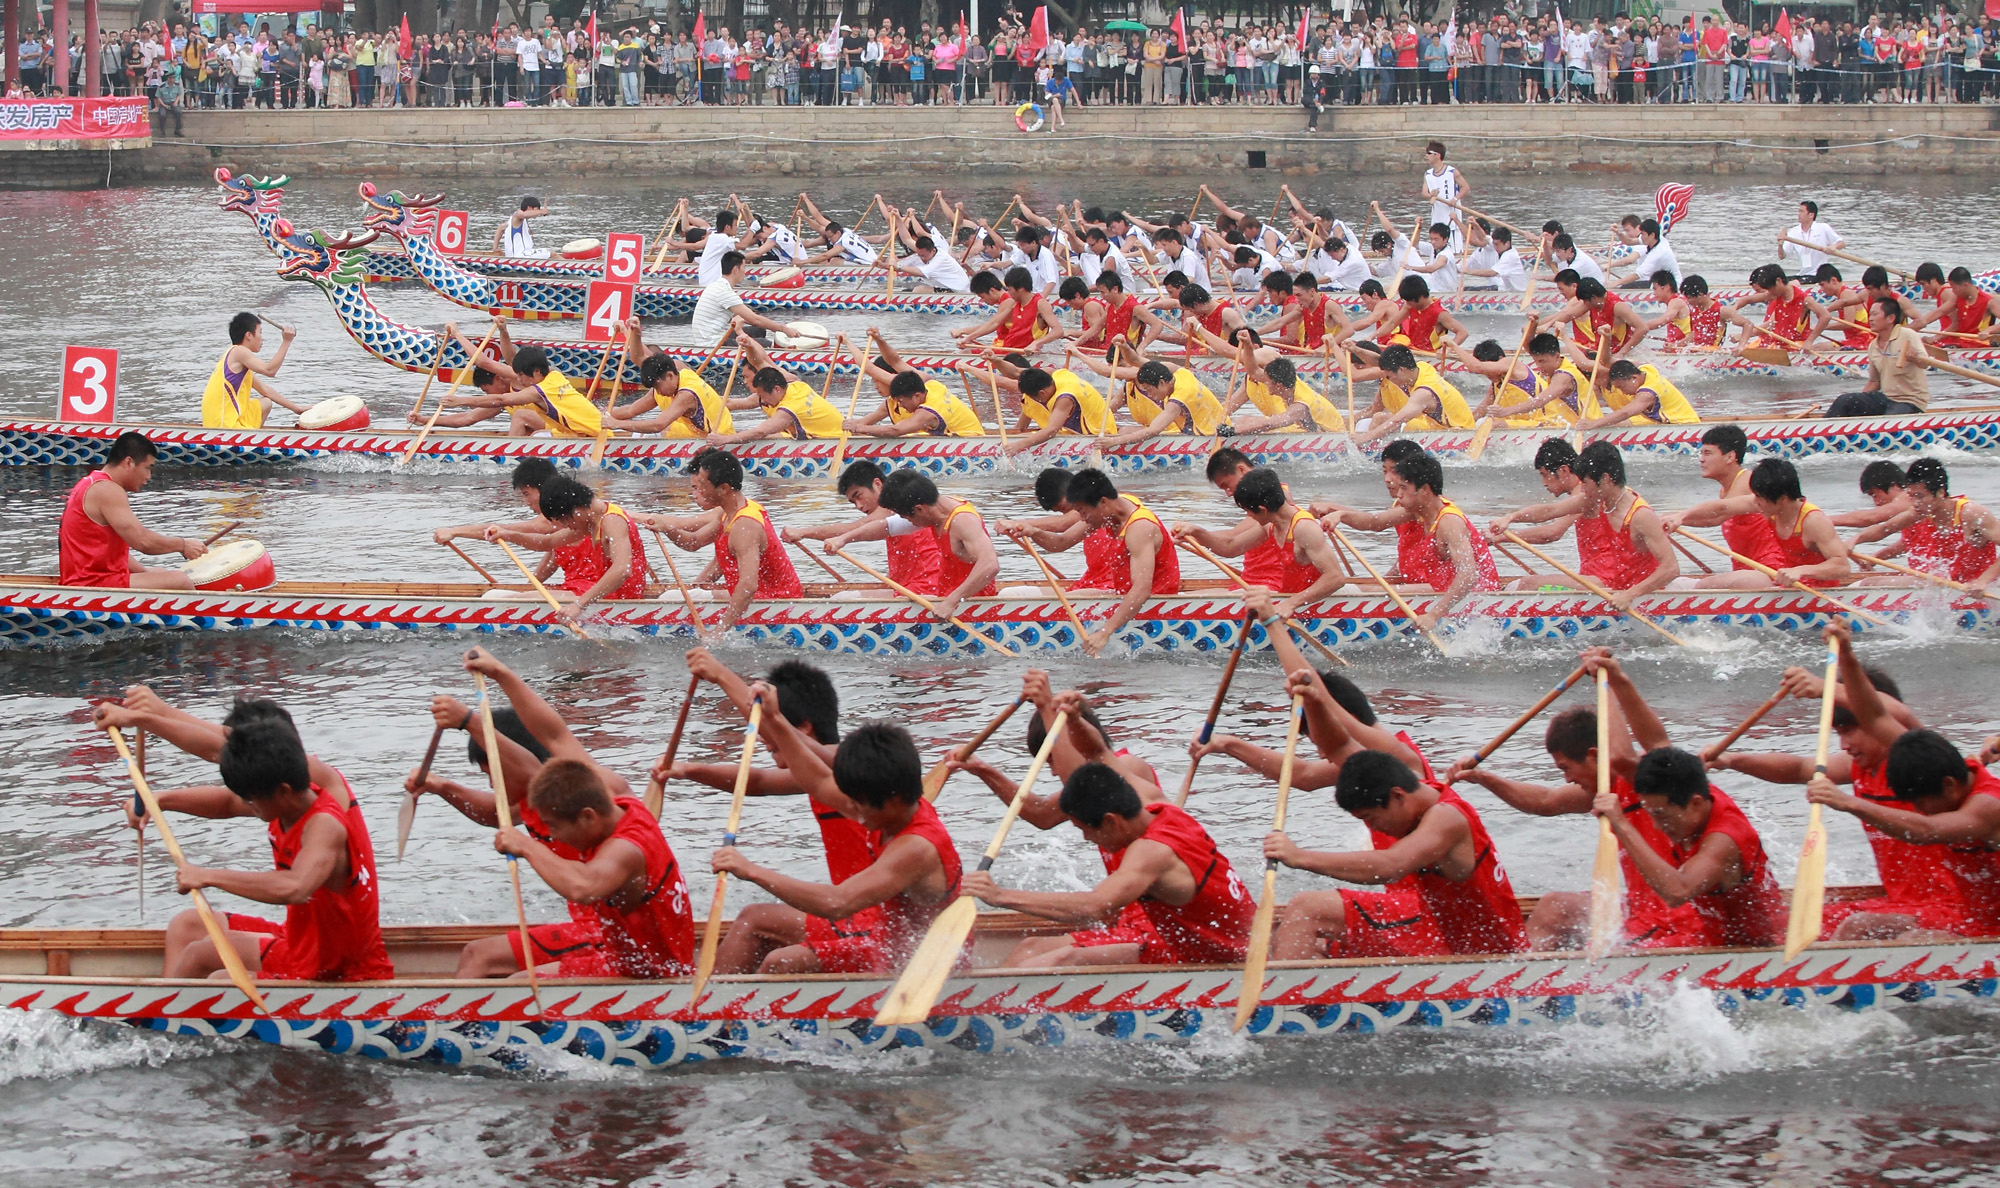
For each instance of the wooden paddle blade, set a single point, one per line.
(910, 1000)
(231, 960)
(1479, 436)
(1607, 895)
(405, 817)
(934, 779)
(1260, 951)
(1772, 356)
(595, 460)
(711, 936)
(1808, 890)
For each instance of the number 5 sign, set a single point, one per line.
(450, 234)
(89, 384)
(623, 256)
(605, 304)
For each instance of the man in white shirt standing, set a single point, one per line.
(1659, 257)
(529, 50)
(719, 305)
(1813, 236)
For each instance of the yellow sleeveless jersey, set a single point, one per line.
(1323, 414)
(1193, 397)
(1674, 408)
(1457, 414)
(1094, 415)
(230, 407)
(564, 408)
(812, 416)
(714, 413)
(958, 417)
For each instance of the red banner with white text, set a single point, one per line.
(118, 118)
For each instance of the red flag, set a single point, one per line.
(1305, 19)
(963, 32)
(700, 30)
(1783, 29)
(403, 39)
(1993, 10)
(1038, 30)
(1180, 30)
(593, 30)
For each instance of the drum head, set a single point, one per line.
(583, 249)
(338, 412)
(235, 565)
(812, 336)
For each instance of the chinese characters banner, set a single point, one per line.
(118, 118)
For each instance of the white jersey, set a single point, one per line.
(790, 250)
(942, 273)
(1821, 235)
(1091, 266)
(1586, 268)
(1191, 265)
(1512, 273)
(856, 250)
(1345, 275)
(1481, 258)
(1042, 266)
(708, 269)
(1443, 188)
(519, 243)
(1659, 259)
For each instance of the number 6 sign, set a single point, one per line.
(605, 305)
(450, 234)
(89, 384)
(623, 254)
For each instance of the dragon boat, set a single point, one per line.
(1204, 618)
(57, 443)
(425, 1016)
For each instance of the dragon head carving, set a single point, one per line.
(250, 195)
(398, 213)
(321, 259)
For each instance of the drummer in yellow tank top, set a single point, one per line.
(1641, 396)
(911, 405)
(678, 403)
(1411, 396)
(237, 396)
(546, 401)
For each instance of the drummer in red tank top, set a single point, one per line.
(913, 555)
(1809, 546)
(749, 557)
(875, 779)
(98, 530)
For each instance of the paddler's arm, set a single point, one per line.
(1360, 521)
(1536, 800)
(618, 550)
(905, 863)
(1058, 416)
(1820, 535)
(1617, 416)
(1648, 535)
(1464, 570)
(269, 367)
(1040, 809)
(1715, 865)
(210, 802)
(1154, 428)
(1644, 724)
(1144, 547)
(322, 848)
(1234, 542)
(763, 781)
(616, 864)
(1427, 845)
(1306, 773)
(1001, 313)
(1420, 403)
(1142, 864)
(271, 393)
(540, 719)
(746, 543)
(1976, 821)
(109, 504)
(1570, 506)
(1317, 544)
(142, 708)
(967, 537)
(1710, 512)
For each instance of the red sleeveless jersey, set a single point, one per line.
(1112, 570)
(1976, 868)
(1752, 535)
(1787, 318)
(1479, 915)
(913, 562)
(1214, 926)
(587, 561)
(1263, 563)
(1433, 561)
(1648, 919)
(1419, 325)
(775, 576)
(336, 935)
(1794, 551)
(90, 553)
(1289, 575)
(1969, 321)
(952, 571)
(1118, 320)
(1312, 323)
(1910, 873)
(1413, 550)
(904, 920)
(1946, 550)
(1752, 912)
(1601, 322)
(1608, 553)
(652, 936)
(1018, 332)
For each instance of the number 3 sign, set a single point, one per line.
(89, 384)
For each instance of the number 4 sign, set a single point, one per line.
(623, 257)
(89, 384)
(605, 305)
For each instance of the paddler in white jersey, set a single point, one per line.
(513, 239)
(841, 243)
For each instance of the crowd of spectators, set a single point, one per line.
(1501, 59)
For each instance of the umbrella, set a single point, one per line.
(1126, 26)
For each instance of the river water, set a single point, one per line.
(1676, 1093)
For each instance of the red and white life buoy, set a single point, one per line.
(1021, 114)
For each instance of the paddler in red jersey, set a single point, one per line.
(1594, 315)
(324, 862)
(1442, 551)
(1790, 313)
(1140, 561)
(875, 779)
(967, 563)
(1544, 523)
(1973, 318)
(613, 865)
(1263, 562)
(1418, 828)
(1052, 533)
(1884, 483)
(1307, 318)
(1868, 716)
(599, 541)
(1410, 535)
(1844, 303)
(98, 530)
(1202, 308)
(1943, 802)
(1691, 315)
(1715, 860)
(1941, 533)
(1749, 533)
(913, 554)
(1024, 317)
(1420, 321)
(1157, 856)
(1561, 918)
(1619, 541)
(1303, 566)
(1808, 544)
(749, 558)
(578, 561)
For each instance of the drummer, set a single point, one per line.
(545, 400)
(678, 402)
(98, 530)
(791, 407)
(238, 396)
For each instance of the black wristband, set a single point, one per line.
(468, 721)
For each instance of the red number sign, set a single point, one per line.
(450, 235)
(605, 305)
(89, 384)
(624, 255)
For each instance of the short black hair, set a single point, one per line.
(1091, 486)
(1919, 764)
(1624, 369)
(1397, 358)
(1110, 279)
(1882, 475)
(1284, 376)
(1224, 461)
(907, 383)
(1960, 275)
(508, 724)
(241, 326)
(1556, 453)
(1413, 288)
(860, 473)
(906, 490)
(768, 379)
(1544, 344)
(1488, 350)
(1827, 272)
(1664, 278)
(1051, 487)
(129, 444)
(1775, 479)
(1589, 288)
(1349, 697)
(654, 368)
(1649, 227)
(1096, 791)
(1019, 278)
(1422, 471)
(1730, 439)
(1193, 295)
(1672, 773)
(985, 282)
(260, 757)
(1260, 490)
(1153, 372)
(1038, 730)
(878, 763)
(1572, 734)
(533, 473)
(1400, 449)
(1034, 381)
(1875, 277)
(1600, 460)
(1927, 271)
(1766, 276)
(1930, 474)
(807, 697)
(563, 496)
(1073, 288)
(731, 261)
(719, 466)
(1368, 777)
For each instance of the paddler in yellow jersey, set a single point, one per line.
(237, 396)
(1640, 396)
(1272, 386)
(912, 406)
(677, 403)
(791, 408)
(1060, 403)
(547, 400)
(1411, 395)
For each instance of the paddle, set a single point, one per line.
(816, 559)
(656, 790)
(1215, 707)
(916, 991)
(1775, 576)
(595, 459)
(1947, 583)
(667, 232)
(1547, 699)
(860, 378)
(1387, 588)
(1054, 584)
(667, 552)
(992, 642)
(1242, 583)
(1485, 428)
(1635, 613)
(217, 935)
(934, 778)
(1830, 251)
(431, 374)
(505, 812)
(139, 738)
(480, 569)
(1267, 902)
(712, 933)
(457, 378)
(562, 616)
(1937, 357)
(407, 815)
(1607, 891)
(1809, 884)
(233, 526)
(1714, 751)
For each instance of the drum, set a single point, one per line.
(583, 249)
(811, 336)
(235, 565)
(338, 414)
(783, 278)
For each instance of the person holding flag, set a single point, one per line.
(1177, 65)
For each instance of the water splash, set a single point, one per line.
(42, 1045)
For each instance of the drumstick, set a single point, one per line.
(233, 526)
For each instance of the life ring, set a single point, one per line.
(1021, 117)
